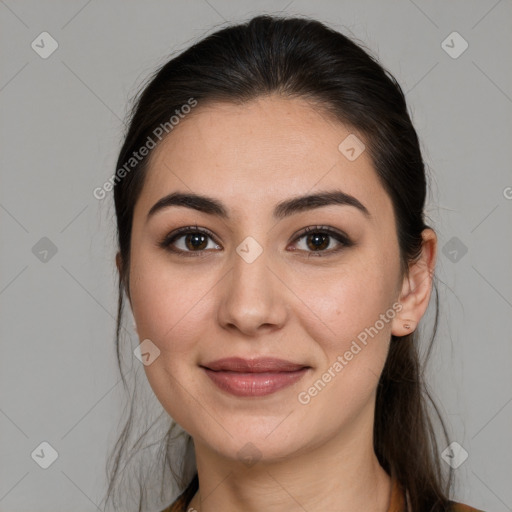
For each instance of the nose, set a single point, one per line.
(253, 297)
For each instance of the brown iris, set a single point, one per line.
(196, 241)
(320, 241)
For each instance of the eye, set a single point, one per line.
(189, 240)
(320, 238)
(194, 241)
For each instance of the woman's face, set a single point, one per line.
(257, 286)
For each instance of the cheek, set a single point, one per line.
(169, 303)
(347, 301)
(354, 312)
(171, 309)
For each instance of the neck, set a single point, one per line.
(337, 475)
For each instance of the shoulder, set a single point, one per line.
(461, 507)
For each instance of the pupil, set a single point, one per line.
(196, 240)
(319, 241)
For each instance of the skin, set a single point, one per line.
(317, 456)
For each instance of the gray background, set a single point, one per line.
(61, 128)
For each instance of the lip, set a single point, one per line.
(253, 377)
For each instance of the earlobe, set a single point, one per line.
(409, 326)
(416, 287)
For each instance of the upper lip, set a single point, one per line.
(259, 365)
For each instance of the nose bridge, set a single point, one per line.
(250, 267)
(250, 276)
(251, 297)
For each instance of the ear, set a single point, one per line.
(416, 287)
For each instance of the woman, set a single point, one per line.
(272, 245)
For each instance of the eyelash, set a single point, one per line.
(169, 239)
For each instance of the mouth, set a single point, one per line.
(253, 377)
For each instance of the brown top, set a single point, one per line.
(397, 502)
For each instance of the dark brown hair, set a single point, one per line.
(303, 58)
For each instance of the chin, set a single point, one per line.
(250, 443)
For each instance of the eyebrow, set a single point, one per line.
(283, 209)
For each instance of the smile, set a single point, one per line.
(255, 377)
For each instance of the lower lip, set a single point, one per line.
(254, 384)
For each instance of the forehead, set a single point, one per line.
(258, 153)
